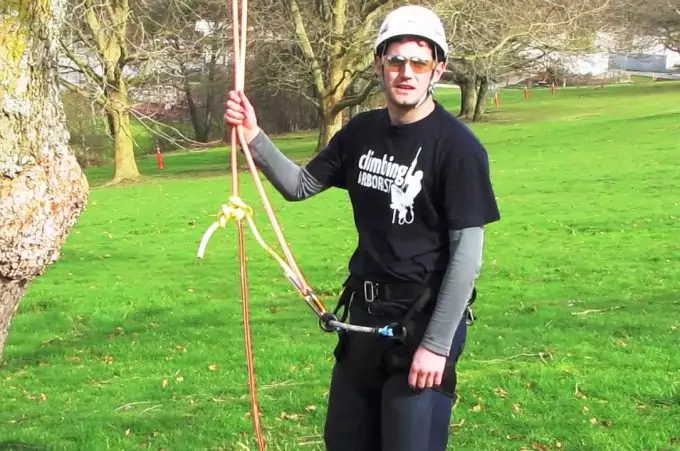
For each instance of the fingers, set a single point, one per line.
(234, 111)
(238, 109)
(233, 116)
(422, 378)
(234, 95)
(413, 376)
(438, 378)
(246, 103)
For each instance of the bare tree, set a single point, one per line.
(104, 50)
(42, 189)
(642, 23)
(321, 50)
(492, 40)
(196, 38)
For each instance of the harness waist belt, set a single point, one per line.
(392, 291)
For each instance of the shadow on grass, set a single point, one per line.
(154, 324)
(16, 446)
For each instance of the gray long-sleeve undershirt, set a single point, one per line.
(295, 183)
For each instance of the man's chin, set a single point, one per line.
(405, 102)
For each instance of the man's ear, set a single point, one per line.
(439, 71)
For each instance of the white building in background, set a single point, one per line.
(645, 57)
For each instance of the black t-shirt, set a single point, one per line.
(408, 185)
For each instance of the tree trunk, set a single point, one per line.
(331, 123)
(123, 145)
(43, 191)
(468, 98)
(210, 98)
(193, 111)
(481, 97)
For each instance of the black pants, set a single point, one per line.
(371, 407)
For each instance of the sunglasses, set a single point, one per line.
(395, 63)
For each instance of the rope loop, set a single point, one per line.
(235, 209)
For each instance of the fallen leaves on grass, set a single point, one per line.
(515, 437)
(501, 392)
(117, 332)
(41, 397)
(605, 423)
(579, 394)
(289, 416)
(516, 408)
(214, 367)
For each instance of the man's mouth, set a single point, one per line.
(405, 87)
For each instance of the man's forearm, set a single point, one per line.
(456, 288)
(289, 179)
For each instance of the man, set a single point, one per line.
(420, 189)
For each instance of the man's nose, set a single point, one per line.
(408, 70)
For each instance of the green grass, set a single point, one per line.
(128, 343)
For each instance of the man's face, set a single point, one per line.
(408, 67)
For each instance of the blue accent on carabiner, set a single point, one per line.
(386, 331)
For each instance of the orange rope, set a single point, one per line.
(239, 75)
(238, 210)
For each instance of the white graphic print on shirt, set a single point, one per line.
(401, 181)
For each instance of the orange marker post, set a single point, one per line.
(160, 158)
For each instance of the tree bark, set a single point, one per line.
(43, 190)
(482, 90)
(468, 97)
(331, 123)
(210, 98)
(193, 111)
(123, 145)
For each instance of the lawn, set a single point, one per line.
(129, 343)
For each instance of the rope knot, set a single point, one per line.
(235, 209)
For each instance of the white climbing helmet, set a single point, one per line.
(413, 20)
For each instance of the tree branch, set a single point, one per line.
(357, 99)
(305, 45)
